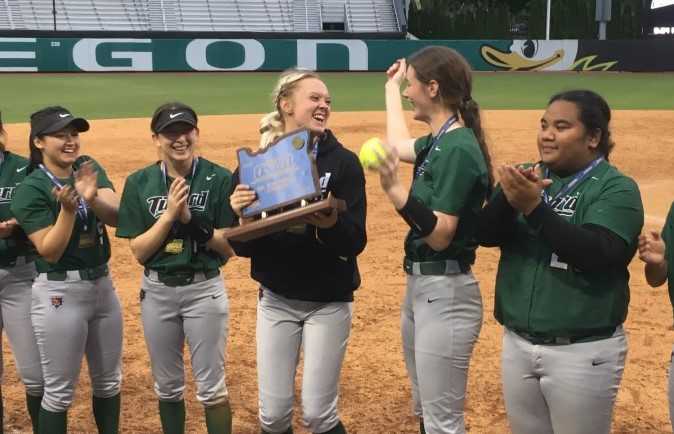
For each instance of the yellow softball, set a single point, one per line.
(368, 153)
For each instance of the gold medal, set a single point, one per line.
(174, 247)
(87, 240)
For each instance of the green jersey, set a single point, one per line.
(668, 237)
(538, 293)
(35, 207)
(145, 198)
(451, 178)
(12, 172)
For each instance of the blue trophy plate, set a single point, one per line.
(283, 174)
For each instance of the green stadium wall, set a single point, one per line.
(48, 54)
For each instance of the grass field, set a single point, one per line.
(124, 95)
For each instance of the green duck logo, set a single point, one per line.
(541, 55)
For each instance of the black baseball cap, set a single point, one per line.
(172, 113)
(53, 119)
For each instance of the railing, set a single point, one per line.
(347, 20)
(395, 13)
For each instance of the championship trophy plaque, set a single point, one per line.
(285, 180)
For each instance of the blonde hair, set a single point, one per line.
(272, 124)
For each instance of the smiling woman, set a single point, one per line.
(567, 228)
(308, 273)
(173, 212)
(64, 206)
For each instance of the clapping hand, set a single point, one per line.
(651, 248)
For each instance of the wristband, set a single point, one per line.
(199, 229)
(418, 216)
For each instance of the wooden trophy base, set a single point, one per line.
(283, 220)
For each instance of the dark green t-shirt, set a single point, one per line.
(454, 181)
(668, 237)
(12, 172)
(35, 207)
(536, 292)
(144, 201)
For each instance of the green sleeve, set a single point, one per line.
(455, 173)
(618, 209)
(421, 143)
(129, 219)
(32, 209)
(224, 216)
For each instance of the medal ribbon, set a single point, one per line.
(578, 178)
(448, 123)
(164, 172)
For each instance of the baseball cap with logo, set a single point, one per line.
(53, 119)
(172, 113)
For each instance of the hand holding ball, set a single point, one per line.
(371, 152)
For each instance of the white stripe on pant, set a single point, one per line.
(86, 319)
(562, 389)
(283, 325)
(441, 320)
(15, 305)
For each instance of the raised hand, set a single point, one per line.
(651, 248)
(67, 197)
(396, 72)
(522, 187)
(86, 181)
(177, 200)
(241, 197)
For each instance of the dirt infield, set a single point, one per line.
(375, 395)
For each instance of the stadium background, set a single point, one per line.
(375, 394)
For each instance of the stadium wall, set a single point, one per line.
(100, 54)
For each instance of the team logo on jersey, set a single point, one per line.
(56, 302)
(196, 201)
(566, 206)
(6, 194)
(323, 181)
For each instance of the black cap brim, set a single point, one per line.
(175, 121)
(80, 124)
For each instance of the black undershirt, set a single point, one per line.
(587, 247)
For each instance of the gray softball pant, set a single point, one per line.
(562, 389)
(283, 326)
(73, 318)
(441, 320)
(198, 313)
(15, 303)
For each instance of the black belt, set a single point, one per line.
(435, 268)
(537, 339)
(181, 278)
(83, 274)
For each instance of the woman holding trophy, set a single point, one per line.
(308, 272)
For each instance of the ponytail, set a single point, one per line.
(271, 128)
(470, 113)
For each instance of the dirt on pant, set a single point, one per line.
(375, 393)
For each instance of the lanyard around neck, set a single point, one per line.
(578, 178)
(164, 172)
(431, 147)
(82, 212)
